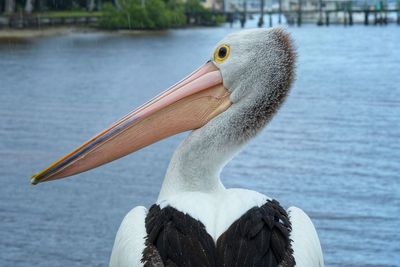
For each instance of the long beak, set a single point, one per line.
(187, 105)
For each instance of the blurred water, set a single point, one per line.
(332, 150)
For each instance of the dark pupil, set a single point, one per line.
(222, 52)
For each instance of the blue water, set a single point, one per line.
(333, 149)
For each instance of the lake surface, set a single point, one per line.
(333, 149)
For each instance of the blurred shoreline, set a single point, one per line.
(8, 34)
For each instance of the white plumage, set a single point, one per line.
(130, 238)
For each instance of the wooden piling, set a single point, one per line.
(319, 22)
(350, 10)
(280, 12)
(398, 16)
(398, 11)
(243, 15)
(261, 20)
(270, 19)
(350, 18)
(327, 18)
(385, 18)
(366, 15)
(299, 13)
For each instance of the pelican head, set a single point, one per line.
(225, 102)
(258, 74)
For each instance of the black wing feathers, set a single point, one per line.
(180, 240)
(259, 238)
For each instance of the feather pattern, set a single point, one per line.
(260, 237)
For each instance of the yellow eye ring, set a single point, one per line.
(221, 53)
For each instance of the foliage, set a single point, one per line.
(200, 15)
(153, 14)
(69, 14)
(219, 19)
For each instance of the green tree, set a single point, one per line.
(135, 14)
(201, 15)
(158, 14)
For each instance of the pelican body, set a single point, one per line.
(196, 221)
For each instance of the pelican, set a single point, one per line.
(196, 221)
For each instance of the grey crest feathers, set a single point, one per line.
(259, 74)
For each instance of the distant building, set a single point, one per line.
(216, 5)
(239, 5)
(230, 5)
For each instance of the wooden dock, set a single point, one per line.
(346, 12)
(296, 17)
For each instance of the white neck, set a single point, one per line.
(199, 159)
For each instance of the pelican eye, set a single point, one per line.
(222, 53)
